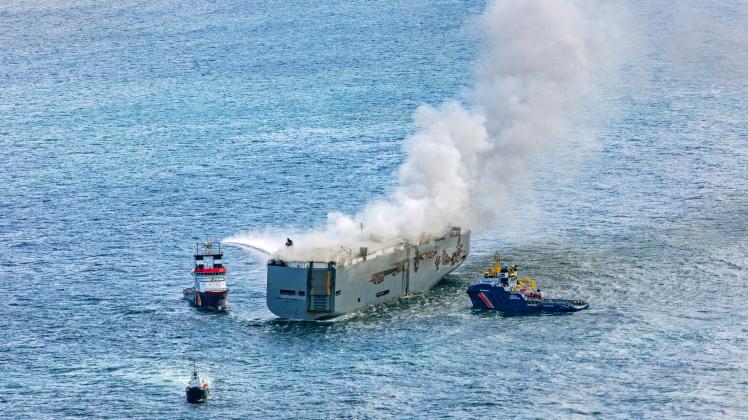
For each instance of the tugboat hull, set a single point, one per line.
(197, 395)
(211, 301)
(496, 298)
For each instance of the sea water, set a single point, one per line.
(132, 130)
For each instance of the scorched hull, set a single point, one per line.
(317, 290)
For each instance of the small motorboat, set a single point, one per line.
(499, 289)
(197, 390)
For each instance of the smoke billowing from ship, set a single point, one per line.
(533, 71)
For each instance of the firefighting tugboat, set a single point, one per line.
(499, 289)
(197, 390)
(210, 291)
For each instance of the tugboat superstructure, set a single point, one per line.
(210, 290)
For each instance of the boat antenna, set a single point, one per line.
(497, 263)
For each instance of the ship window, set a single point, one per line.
(302, 293)
(383, 292)
(287, 292)
(337, 293)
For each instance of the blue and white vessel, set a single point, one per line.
(499, 289)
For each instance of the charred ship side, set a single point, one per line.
(318, 290)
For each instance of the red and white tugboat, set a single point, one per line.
(210, 291)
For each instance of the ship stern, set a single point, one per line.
(301, 290)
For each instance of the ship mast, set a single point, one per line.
(496, 264)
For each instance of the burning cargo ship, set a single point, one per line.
(316, 289)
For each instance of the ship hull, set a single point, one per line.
(496, 298)
(196, 395)
(322, 290)
(210, 301)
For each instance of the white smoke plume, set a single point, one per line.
(534, 70)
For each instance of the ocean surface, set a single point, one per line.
(132, 130)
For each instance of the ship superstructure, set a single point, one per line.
(317, 290)
(210, 290)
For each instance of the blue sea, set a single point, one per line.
(132, 130)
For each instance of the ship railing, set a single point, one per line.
(399, 247)
(375, 254)
(343, 262)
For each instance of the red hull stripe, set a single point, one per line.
(485, 300)
(209, 270)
